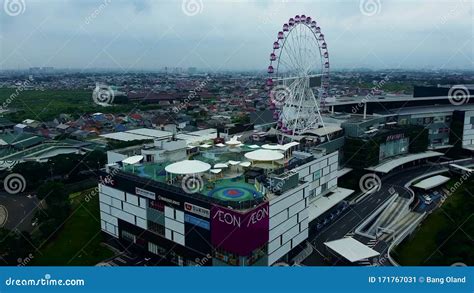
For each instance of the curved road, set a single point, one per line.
(347, 223)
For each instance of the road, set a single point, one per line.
(357, 213)
(17, 211)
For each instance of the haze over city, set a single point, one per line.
(228, 35)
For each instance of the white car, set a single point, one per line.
(428, 199)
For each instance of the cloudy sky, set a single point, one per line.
(214, 35)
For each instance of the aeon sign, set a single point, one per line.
(236, 220)
(240, 233)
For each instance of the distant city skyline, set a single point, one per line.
(232, 35)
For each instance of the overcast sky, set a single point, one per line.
(211, 34)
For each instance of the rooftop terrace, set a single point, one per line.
(231, 176)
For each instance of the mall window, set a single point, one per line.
(312, 194)
(128, 236)
(227, 257)
(443, 130)
(316, 175)
(324, 187)
(256, 255)
(393, 148)
(176, 258)
(439, 119)
(156, 228)
(155, 249)
(436, 142)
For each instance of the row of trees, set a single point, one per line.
(52, 183)
(66, 168)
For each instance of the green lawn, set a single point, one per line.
(78, 241)
(445, 236)
(48, 104)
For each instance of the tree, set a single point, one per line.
(52, 192)
(14, 245)
(33, 172)
(57, 210)
(95, 160)
(65, 165)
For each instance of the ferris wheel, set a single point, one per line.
(299, 76)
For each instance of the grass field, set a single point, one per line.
(78, 241)
(445, 237)
(48, 104)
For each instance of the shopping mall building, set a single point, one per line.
(208, 198)
(250, 204)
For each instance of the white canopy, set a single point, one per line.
(264, 155)
(281, 147)
(220, 166)
(272, 146)
(391, 164)
(245, 164)
(233, 163)
(432, 182)
(133, 160)
(289, 145)
(216, 171)
(206, 146)
(233, 142)
(351, 249)
(188, 167)
(221, 145)
(254, 146)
